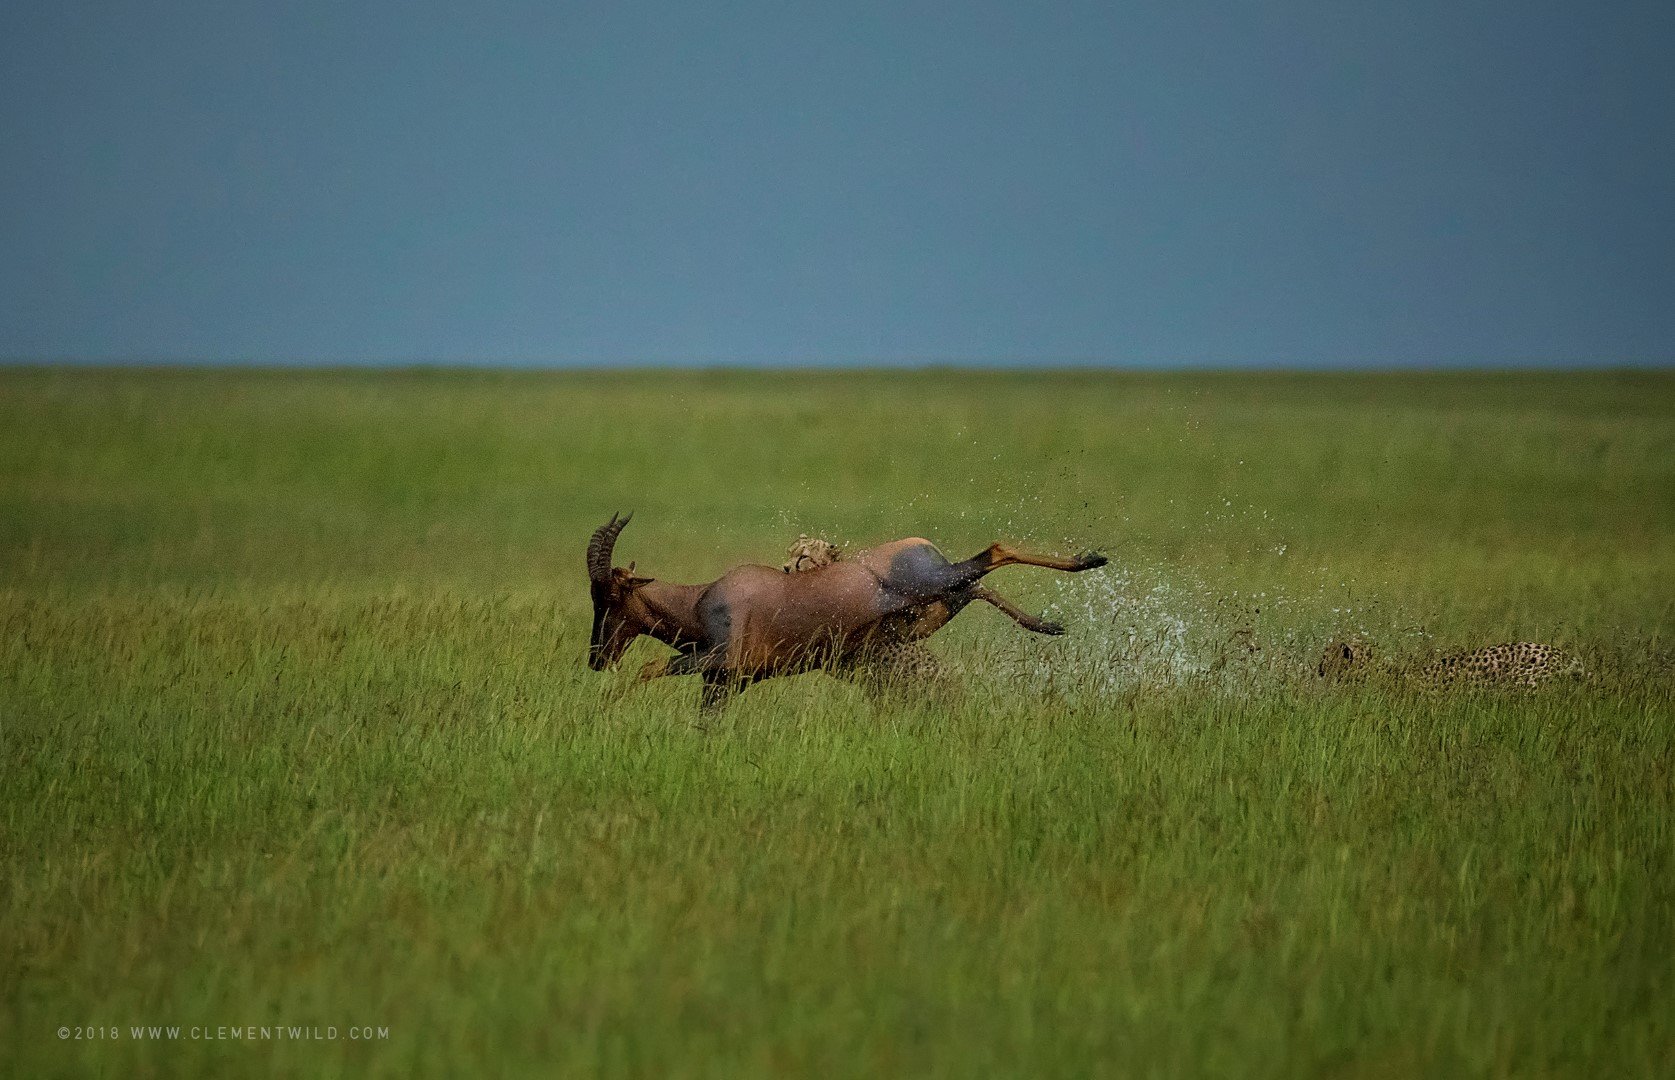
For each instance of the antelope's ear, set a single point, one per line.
(626, 580)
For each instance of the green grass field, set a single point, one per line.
(296, 729)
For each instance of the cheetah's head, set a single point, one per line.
(1344, 659)
(809, 553)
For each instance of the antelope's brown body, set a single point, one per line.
(755, 622)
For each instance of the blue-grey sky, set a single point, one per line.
(1268, 184)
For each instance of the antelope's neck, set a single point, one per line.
(674, 609)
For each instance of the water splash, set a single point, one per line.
(1138, 628)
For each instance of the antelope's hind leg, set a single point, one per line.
(996, 556)
(921, 573)
(1012, 611)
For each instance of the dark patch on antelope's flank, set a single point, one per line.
(919, 571)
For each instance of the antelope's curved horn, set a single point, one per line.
(599, 548)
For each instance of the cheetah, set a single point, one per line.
(902, 667)
(808, 553)
(1515, 665)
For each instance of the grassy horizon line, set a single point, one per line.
(859, 365)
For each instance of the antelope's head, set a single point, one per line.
(618, 614)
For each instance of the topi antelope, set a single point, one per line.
(755, 622)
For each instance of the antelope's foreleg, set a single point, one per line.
(721, 681)
(720, 684)
(668, 665)
(1016, 614)
(689, 661)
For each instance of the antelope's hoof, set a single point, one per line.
(653, 669)
(1051, 629)
(1090, 560)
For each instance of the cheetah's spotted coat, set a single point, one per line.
(1515, 665)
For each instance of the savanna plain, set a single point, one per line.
(296, 733)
